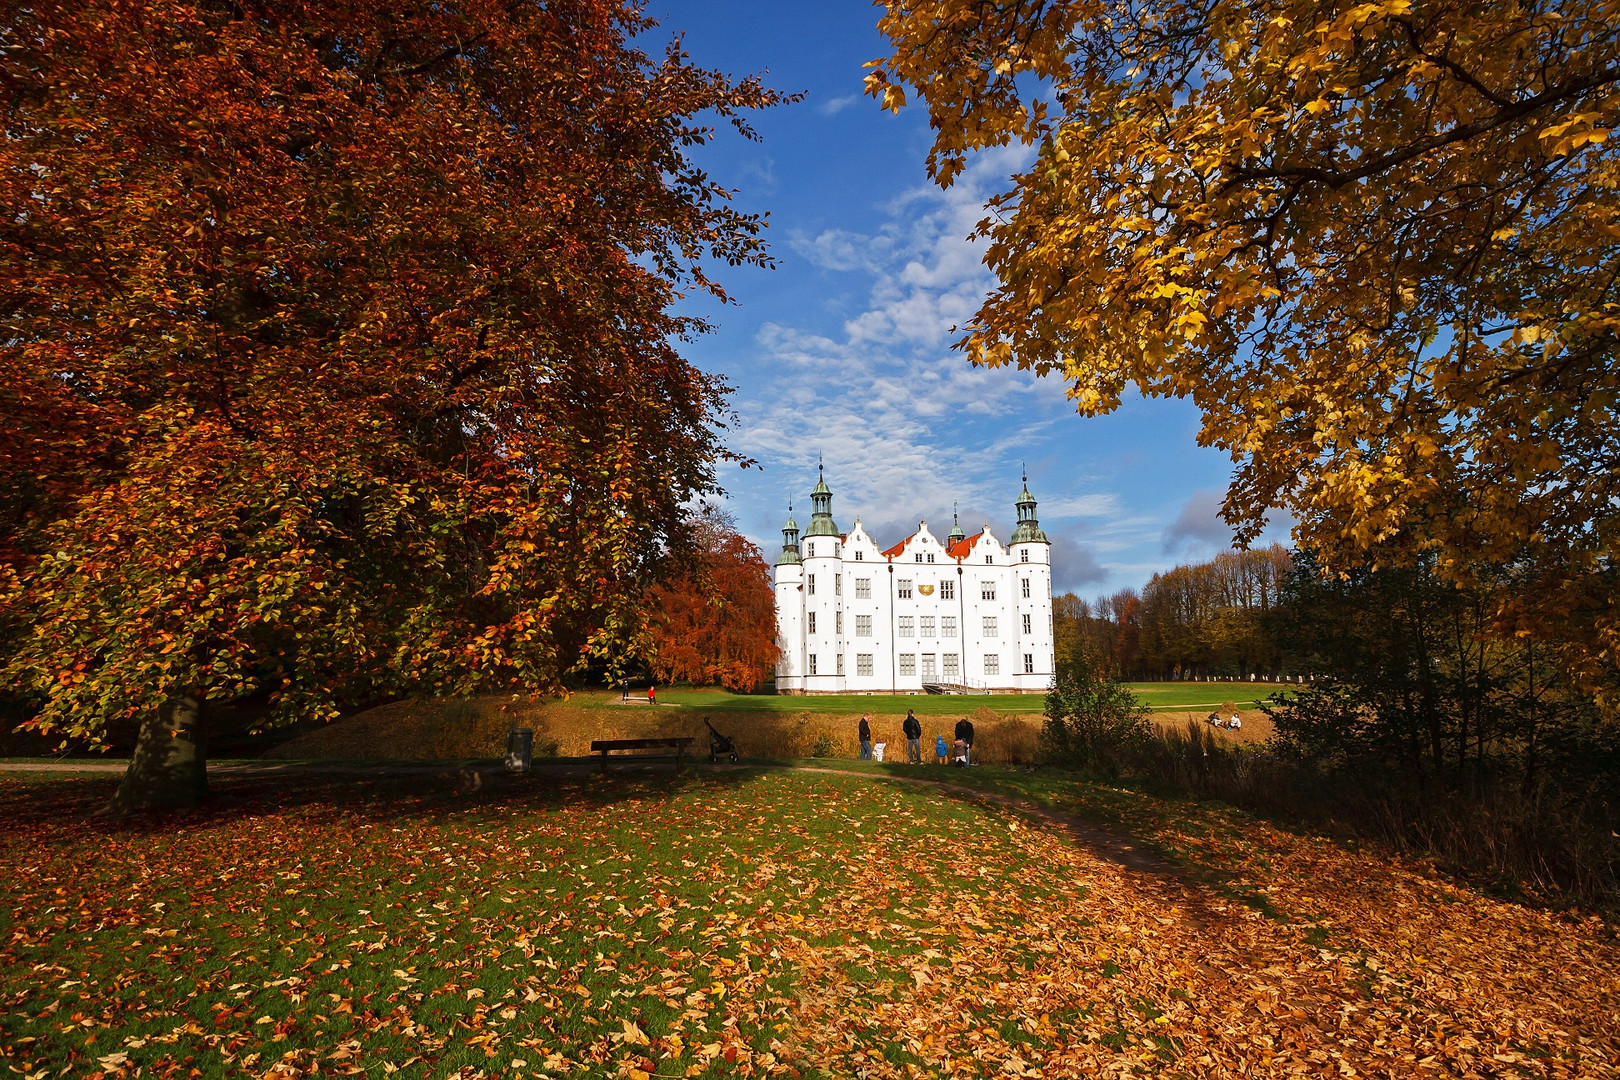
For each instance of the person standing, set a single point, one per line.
(865, 733)
(913, 731)
(941, 751)
(652, 695)
(964, 731)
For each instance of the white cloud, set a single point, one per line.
(841, 250)
(906, 427)
(833, 106)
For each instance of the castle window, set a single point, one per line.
(810, 549)
(930, 556)
(989, 558)
(1024, 554)
(838, 584)
(1026, 624)
(952, 665)
(947, 626)
(1029, 663)
(908, 663)
(987, 590)
(906, 625)
(812, 617)
(863, 588)
(863, 625)
(863, 664)
(903, 588)
(989, 626)
(840, 663)
(927, 622)
(838, 622)
(812, 663)
(947, 590)
(858, 558)
(919, 556)
(810, 583)
(992, 664)
(1026, 588)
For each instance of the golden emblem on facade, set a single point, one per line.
(926, 590)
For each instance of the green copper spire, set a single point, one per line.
(790, 542)
(821, 519)
(1029, 529)
(956, 533)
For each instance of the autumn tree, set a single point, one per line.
(1377, 243)
(338, 354)
(713, 619)
(1215, 617)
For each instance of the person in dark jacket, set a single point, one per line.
(913, 731)
(865, 733)
(964, 731)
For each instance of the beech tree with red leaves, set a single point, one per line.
(336, 360)
(714, 618)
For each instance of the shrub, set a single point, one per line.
(823, 746)
(1093, 723)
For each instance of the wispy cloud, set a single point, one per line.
(833, 106)
(840, 250)
(1093, 505)
(906, 427)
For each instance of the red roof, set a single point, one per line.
(898, 549)
(963, 548)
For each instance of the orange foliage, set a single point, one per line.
(715, 619)
(336, 359)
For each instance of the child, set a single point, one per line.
(959, 752)
(940, 750)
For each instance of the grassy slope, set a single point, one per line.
(1168, 695)
(753, 922)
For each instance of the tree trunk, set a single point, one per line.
(170, 764)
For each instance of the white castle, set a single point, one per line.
(959, 615)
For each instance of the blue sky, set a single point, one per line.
(845, 350)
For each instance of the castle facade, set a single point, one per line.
(966, 613)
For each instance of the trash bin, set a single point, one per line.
(519, 750)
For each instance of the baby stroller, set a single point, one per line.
(719, 744)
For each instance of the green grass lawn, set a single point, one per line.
(756, 922)
(619, 925)
(1160, 695)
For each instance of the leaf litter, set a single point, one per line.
(761, 924)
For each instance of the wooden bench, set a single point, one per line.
(679, 745)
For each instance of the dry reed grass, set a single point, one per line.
(477, 727)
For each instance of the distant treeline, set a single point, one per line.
(1215, 619)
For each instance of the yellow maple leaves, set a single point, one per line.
(1373, 243)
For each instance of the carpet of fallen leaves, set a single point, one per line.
(761, 923)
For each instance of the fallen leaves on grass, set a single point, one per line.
(760, 924)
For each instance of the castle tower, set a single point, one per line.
(823, 594)
(788, 584)
(1031, 554)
